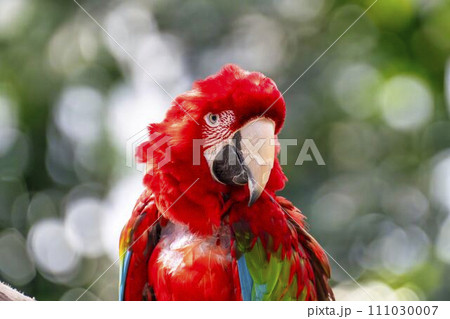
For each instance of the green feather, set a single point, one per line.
(270, 277)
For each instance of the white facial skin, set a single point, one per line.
(217, 127)
(216, 134)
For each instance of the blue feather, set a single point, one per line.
(123, 275)
(245, 279)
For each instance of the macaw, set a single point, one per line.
(209, 225)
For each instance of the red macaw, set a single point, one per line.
(215, 230)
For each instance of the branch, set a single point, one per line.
(10, 294)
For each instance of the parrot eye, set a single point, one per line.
(212, 119)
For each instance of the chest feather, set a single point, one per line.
(181, 249)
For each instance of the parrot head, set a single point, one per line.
(223, 133)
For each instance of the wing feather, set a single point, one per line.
(137, 242)
(299, 273)
(317, 256)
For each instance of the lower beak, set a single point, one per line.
(248, 158)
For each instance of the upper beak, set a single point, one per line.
(248, 158)
(258, 149)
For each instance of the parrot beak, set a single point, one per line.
(247, 158)
(258, 149)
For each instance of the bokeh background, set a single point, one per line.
(377, 106)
